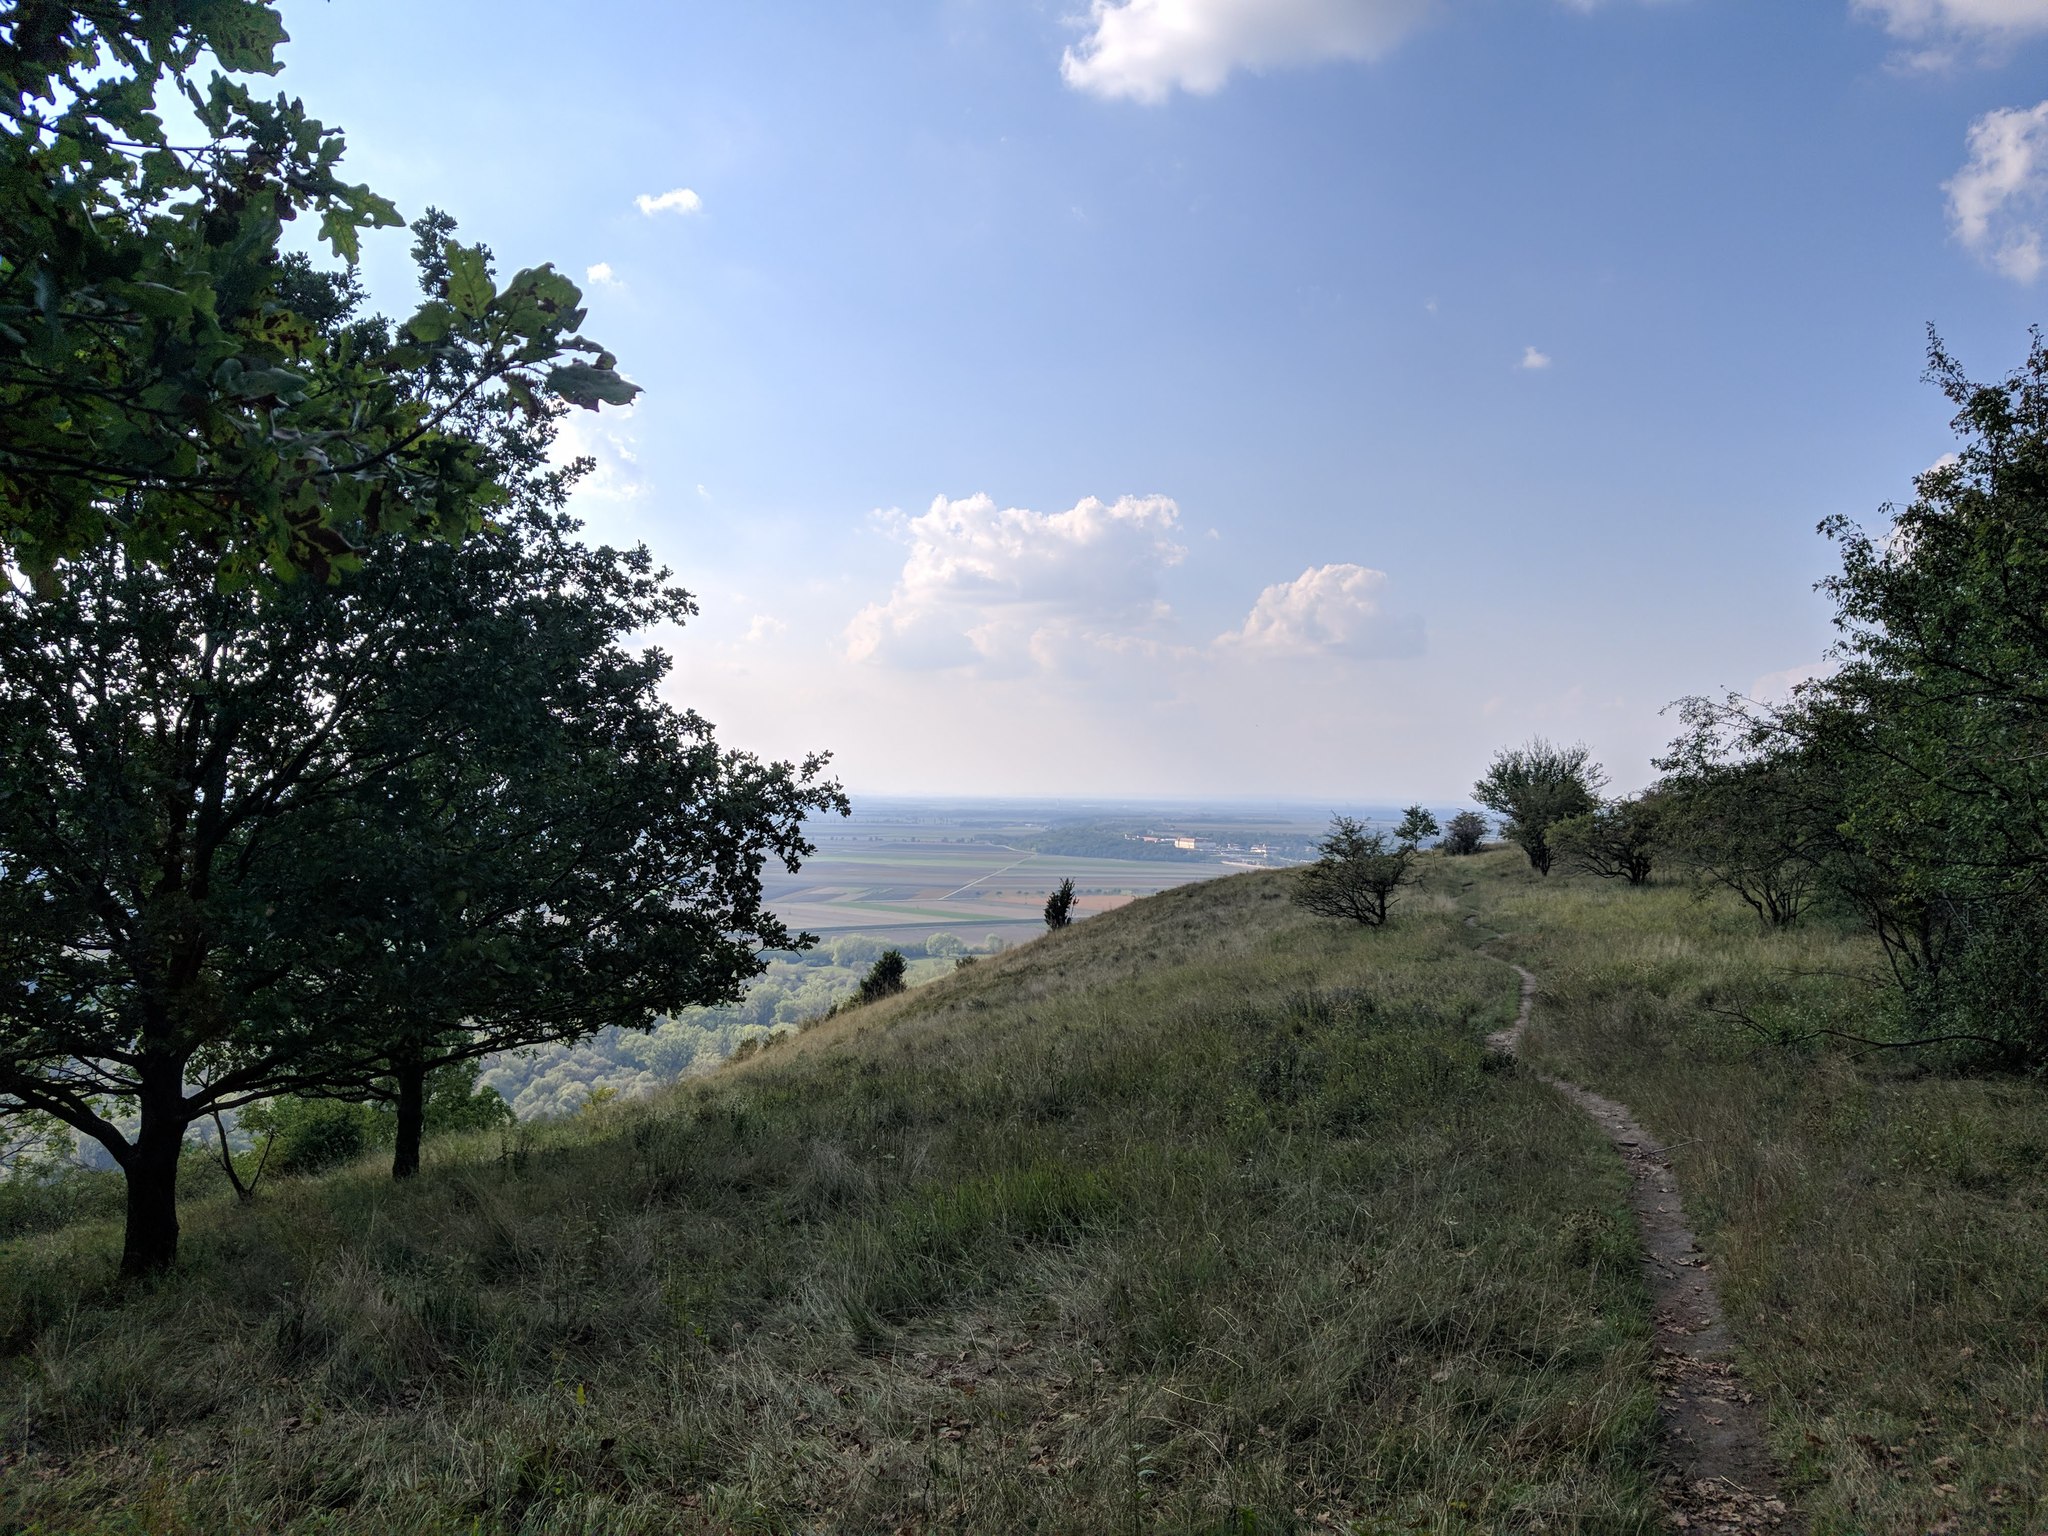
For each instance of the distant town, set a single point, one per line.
(1259, 855)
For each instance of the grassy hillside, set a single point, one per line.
(1204, 1215)
(1880, 1227)
(1201, 1215)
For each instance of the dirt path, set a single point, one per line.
(1716, 1472)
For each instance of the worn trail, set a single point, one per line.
(1717, 1473)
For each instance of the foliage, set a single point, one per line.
(1464, 834)
(1356, 876)
(1933, 725)
(1906, 787)
(885, 978)
(1534, 787)
(547, 1081)
(169, 377)
(260, 839)
(1417, 827)
(314, 1135)
(1620, 840)
(1059, 906)
(1759, 823)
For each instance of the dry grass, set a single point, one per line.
(1881, 1229)
(1204, 1215)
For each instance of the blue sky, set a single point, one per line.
(1231, 397)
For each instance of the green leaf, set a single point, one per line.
(469, 284)
(338, 229)
(433, 322)
(581, 384)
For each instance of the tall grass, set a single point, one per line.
(1880, 1226)
(1205, 1215)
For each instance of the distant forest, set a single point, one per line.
(559, 1079)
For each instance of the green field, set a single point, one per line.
(904, 870)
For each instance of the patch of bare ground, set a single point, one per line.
(1716, 1471)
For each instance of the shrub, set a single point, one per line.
(1537, 786)
(1059, 906)
(315, 1134)
(1417, 827)
(1357, 875)
(1464, 833)
(885, 978)
(1619, 841)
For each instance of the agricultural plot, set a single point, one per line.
(906, 869)
(902, 887)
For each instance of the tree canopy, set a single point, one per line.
(1357, 874)
(1534, 787)
(269, 838)
(166, 374)
(1909, 786)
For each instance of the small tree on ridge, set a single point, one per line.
(1357, 875)
(1536, 786)
(1464, 833)
(1059, 906)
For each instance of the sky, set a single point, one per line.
(1230, 398)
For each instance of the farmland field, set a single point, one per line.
(903, 870)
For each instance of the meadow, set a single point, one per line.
(1203, 1215)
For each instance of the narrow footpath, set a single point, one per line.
(1716, 1473)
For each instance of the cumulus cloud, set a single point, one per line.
(1532, 359)
(1941, 31)
(607, 442)
(681, 200)
(601, 275)
(1143, 50)
(1003, 592)
(1780, 687)
(764, 626)
(1328, 610)
(1998, 201)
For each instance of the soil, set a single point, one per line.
(1715, 1472)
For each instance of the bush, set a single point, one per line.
(1620, 841)
(316, 1134)
(1464, 833)
(1537, 786)
(885, 978)
(1059, 906)
(1357, 875)
(1417, 827)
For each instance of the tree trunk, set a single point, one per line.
(412, 1116)
(150, 1244)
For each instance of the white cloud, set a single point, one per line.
(1329, 610)
(1941, 30)
(1144, 49)
(608, 442)
(763, 625)
(1011, 591)
(1997, 201)
(601, 274)
(1777, 687)
(681, 200)
(1532, 359)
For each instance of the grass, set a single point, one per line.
(1880, 1228)
(1204, 1215)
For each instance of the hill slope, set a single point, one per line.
(1204, 1214)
